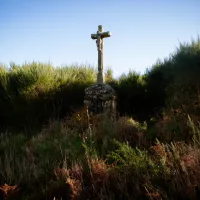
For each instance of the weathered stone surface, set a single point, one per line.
(100, 98)
(102, 91)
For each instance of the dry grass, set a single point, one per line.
(9, 192)
(107, 162)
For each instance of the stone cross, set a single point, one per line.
(99, 41)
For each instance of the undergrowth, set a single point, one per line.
(65, 161)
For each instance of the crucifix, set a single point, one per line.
(99, 41)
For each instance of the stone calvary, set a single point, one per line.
(100, 97)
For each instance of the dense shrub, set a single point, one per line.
(34, 92)
(131, 91)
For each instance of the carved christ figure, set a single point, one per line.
(99, 43)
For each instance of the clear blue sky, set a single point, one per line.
(58, 31)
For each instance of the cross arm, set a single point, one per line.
(103, 35)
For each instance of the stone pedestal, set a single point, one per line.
(100, 98)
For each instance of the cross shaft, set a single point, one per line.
(99, 41)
